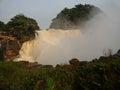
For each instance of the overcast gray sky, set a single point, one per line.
(43, 11)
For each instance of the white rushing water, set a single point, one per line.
(59, 46)
(50, 47)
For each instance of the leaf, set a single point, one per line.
(50, 82)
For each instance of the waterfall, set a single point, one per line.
(59, 46)
(49, 47)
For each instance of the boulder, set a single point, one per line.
(74, 62)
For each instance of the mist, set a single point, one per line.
(59, 46)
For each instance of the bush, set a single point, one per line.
(99, 75)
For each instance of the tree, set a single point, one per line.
(2, 26)
(22, 27)
(74, 17)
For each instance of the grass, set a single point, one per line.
(95, 75)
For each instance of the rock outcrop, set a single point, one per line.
(9, 46)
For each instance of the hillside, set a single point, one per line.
(74, 17)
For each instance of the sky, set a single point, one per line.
(43, 11)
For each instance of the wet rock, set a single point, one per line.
(10, 48)
(11, 53)
(74, 62)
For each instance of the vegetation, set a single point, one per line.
(2, 26)
(98, 74)
(102, 74)
(18, 30)
(74, 17)
(22, 27)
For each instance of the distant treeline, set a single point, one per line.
(74, 17)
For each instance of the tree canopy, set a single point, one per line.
(75, 16)
(18, 30)
(2, 26)
(22, 27)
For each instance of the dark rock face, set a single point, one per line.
(9, 48)
(74, 62)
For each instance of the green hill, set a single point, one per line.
(74, 17)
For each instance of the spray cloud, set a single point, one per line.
(59, 46)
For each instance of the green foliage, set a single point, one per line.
(99, 75)
(68, 18)
(2, 26)
(18, 30)
(50, 83)
(22, 27)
